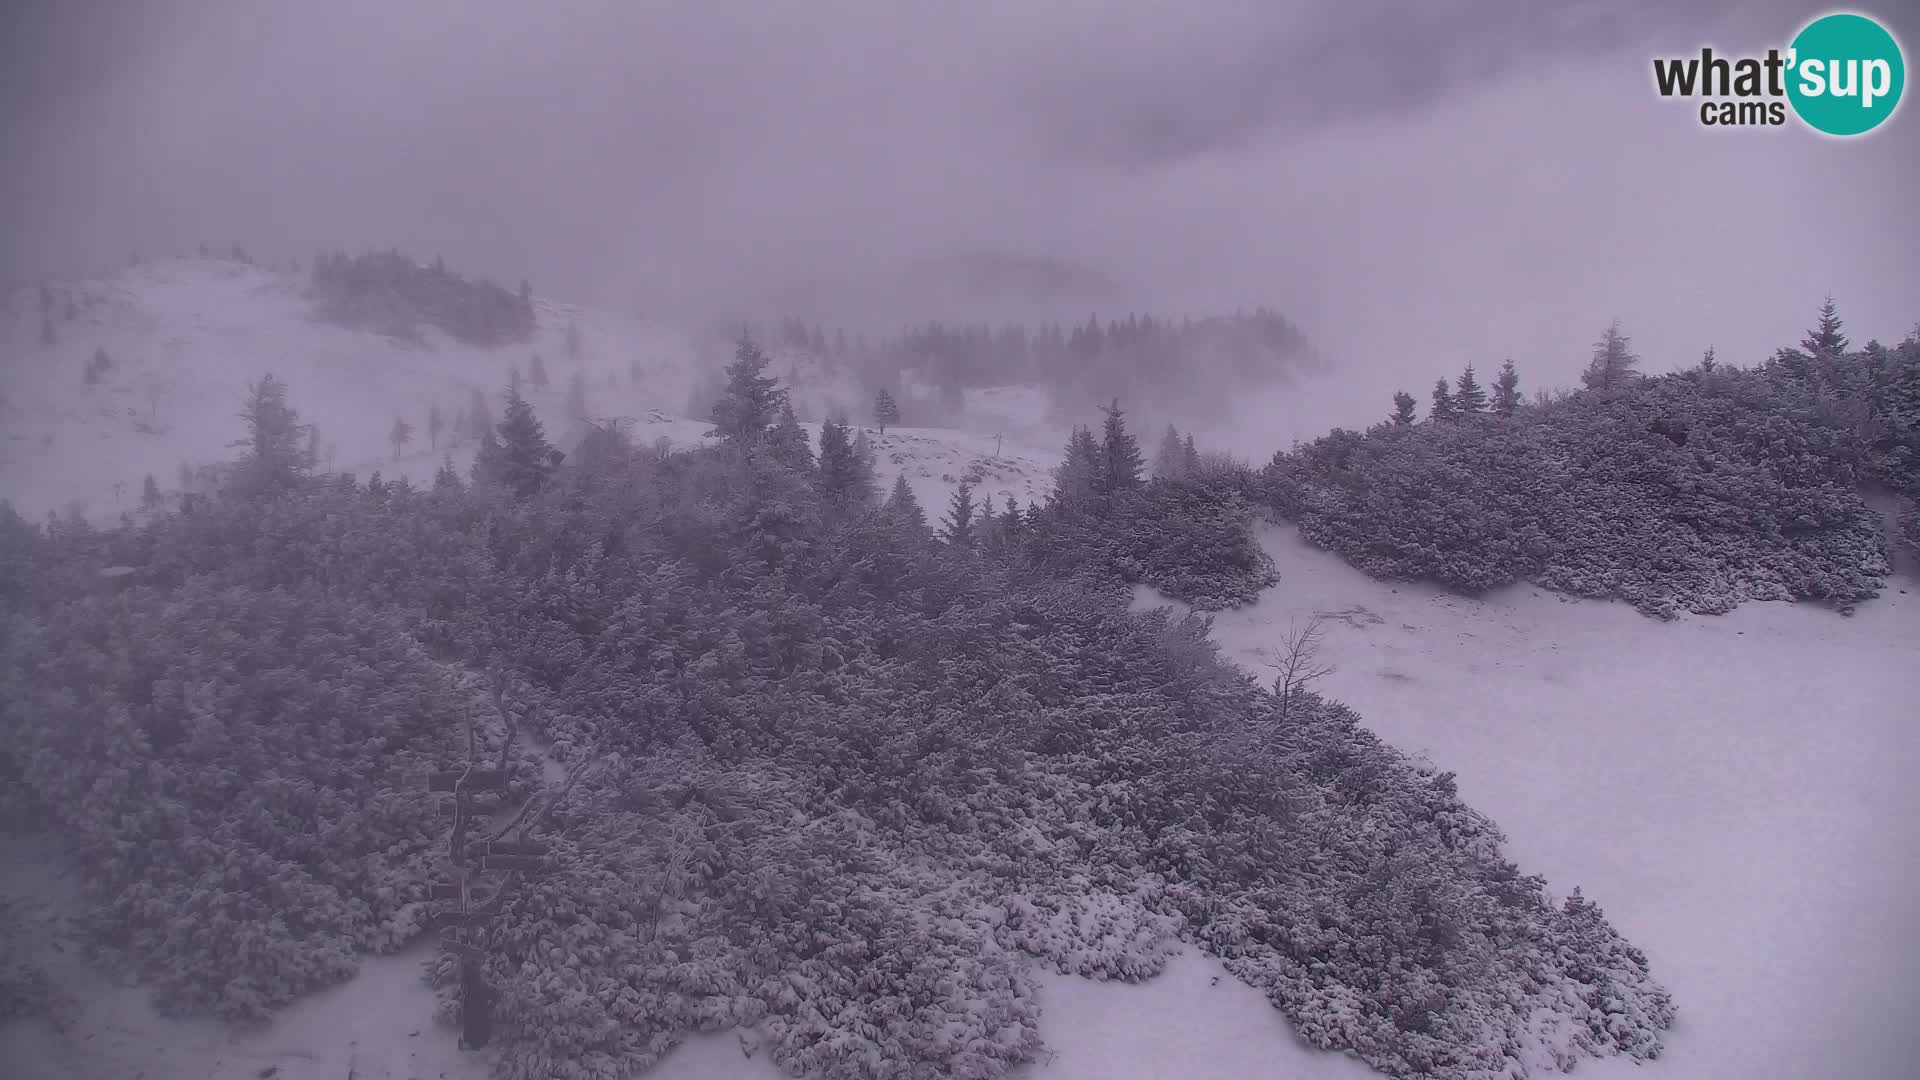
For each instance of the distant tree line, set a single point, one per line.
(1188, 362)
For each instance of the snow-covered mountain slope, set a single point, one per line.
(936, 460)
(187, 336)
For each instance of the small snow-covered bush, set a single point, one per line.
(1097, 934)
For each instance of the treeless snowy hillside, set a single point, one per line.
(185, 337)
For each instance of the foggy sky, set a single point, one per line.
(1480, 180)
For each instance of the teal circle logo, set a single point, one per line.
(1845, 74)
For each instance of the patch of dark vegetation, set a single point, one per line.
(1187, 531)
(388, 293)
(1694, 491)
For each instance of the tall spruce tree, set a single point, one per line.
(1403, 408)
(1469, 399)
(274, 455)
(1012, 524)
(435, 425)
(488, 467)
(538, 374)
(789, 442)
(1613, 362)
(1506, 389)
(903, 506)
(1076, 480)
(1170, 459)
(526, 457)
(446, 479)
(1120, 460)
(886, 411)
(958, 529)
(1442, 409)
(845, 477)
(1828, 338)
(751, 401)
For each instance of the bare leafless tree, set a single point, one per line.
(1298, 659)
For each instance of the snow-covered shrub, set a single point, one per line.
(1190, 539)
(699, 898)
(1098, 934)
(1681, 493)
(238, 774)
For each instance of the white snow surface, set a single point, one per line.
(1738, 793)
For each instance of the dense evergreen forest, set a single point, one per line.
(845, 767)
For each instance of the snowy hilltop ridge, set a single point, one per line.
(142, 371)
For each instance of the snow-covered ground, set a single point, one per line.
(935, 460)
(187, 336)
